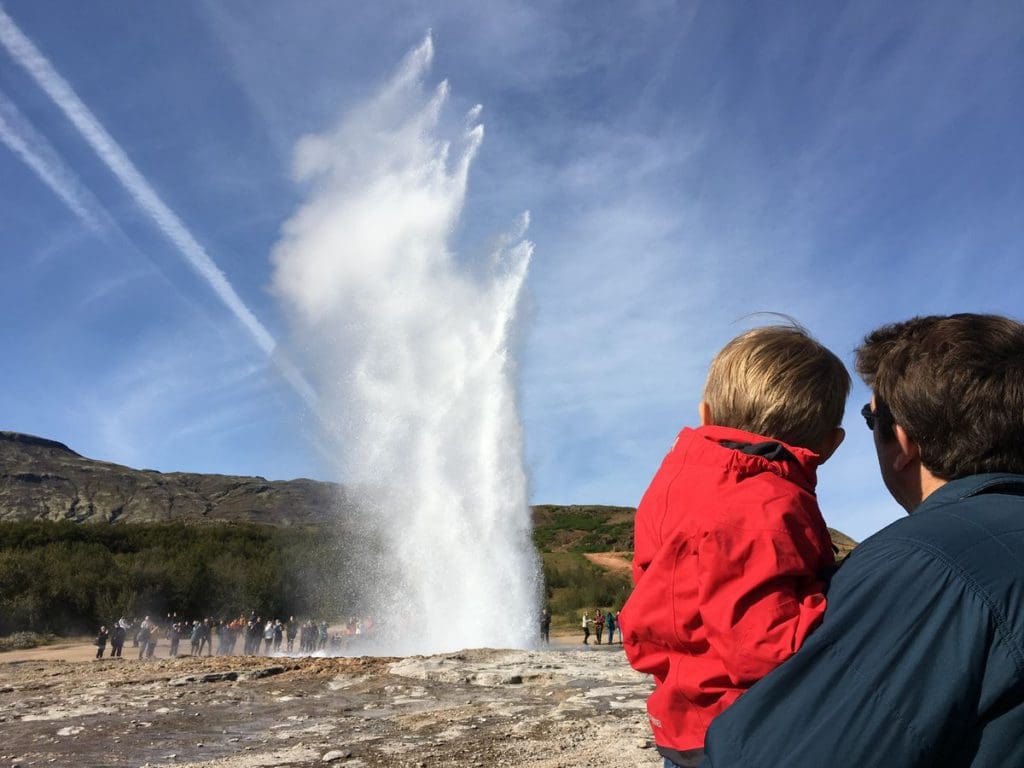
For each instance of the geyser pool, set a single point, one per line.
(410, 354)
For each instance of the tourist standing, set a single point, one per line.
(290, 632)
(206, 636)
(174, 635)
(142, 637)
(151, 641)
(236, 626)
(117, 635)
(221, 630)
(101, 642)
(586, 628)
(609, 622)
(196, 636)
(253, 633)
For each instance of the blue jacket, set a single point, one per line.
(919, 660)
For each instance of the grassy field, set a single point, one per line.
(580, 528)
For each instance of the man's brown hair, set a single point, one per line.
(956, 385)
(779, 382)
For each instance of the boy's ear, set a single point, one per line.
(704, 411)
(832, 442)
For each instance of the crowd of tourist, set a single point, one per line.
(258, 636)
(597, 622)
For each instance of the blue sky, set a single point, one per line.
(683, 164)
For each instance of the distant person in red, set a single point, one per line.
(731, 551)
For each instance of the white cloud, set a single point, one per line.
(24, 52)
(36, 152)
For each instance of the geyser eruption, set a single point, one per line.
(410, 354)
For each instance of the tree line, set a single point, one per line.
(65, 577)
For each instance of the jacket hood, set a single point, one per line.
(753, 453)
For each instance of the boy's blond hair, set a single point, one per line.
(778, 382)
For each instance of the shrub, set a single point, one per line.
(21, 641)
(573, 584)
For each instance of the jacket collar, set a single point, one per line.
(800, 466)
(973, 485)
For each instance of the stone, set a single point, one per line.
(216, 677)
(259, 674)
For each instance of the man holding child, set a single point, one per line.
(912, 653)
(919, 660)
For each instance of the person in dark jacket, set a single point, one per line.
(919, 660)
(291, 631)
(609, 622)
(101, 642)
(117, 635)
(174, 634)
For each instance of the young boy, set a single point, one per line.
(731, 553)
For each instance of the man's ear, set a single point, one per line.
(704, 411)
(832, 442)
(909, 450)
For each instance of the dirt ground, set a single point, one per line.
(563, 706)
(612, 561)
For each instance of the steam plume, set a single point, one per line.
(414, 367)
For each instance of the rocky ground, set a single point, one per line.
(562, 706)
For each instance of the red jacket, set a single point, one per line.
(730, 557)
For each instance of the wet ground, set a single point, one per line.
(568, 706)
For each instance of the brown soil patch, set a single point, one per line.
(610, 561)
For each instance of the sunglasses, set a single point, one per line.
(880, 418)
(870, 417)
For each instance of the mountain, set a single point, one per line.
(45, 480)
(42, 479)
(592, 528)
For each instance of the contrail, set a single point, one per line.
(35, 151)
(24, 52)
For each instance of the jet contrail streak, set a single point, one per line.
(35, 151)
(24, 52)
